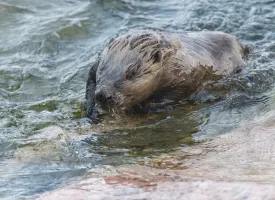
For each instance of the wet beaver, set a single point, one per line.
(151, 68)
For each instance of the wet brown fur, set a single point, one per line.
(135, 67)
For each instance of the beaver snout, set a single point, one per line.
(103, 97)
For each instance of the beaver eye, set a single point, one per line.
(132, 71)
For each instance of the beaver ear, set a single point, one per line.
(157, 56)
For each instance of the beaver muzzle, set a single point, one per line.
(103, 97)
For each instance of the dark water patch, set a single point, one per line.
(115, 6)
(6, 8)
(161, 132)
(144, 142)
(241, 101)
(249, 82)
(26, 177)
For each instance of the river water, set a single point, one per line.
(46, 49)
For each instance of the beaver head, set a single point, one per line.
(130, 69)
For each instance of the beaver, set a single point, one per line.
(157, 68)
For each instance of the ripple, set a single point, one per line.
(75, 31)
(5, 8)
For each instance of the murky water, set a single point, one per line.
(46, 48)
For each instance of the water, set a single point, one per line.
(46, 49)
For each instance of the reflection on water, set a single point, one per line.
(46, 48)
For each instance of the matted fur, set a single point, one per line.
(143, 66)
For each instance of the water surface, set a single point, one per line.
(46, 49)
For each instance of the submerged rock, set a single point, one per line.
(245, 154)
(157, 184)
(237, 165)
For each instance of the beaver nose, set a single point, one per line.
(102, 97)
